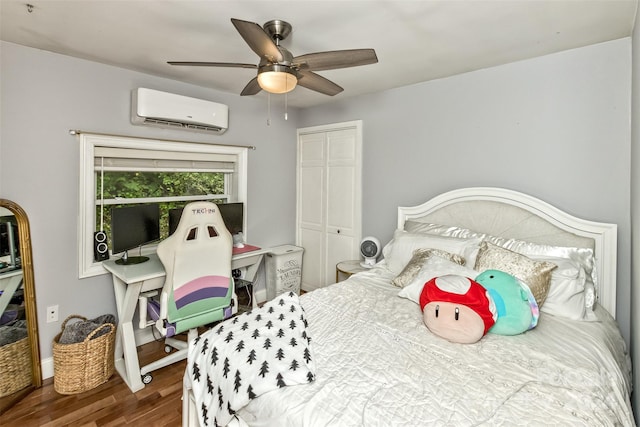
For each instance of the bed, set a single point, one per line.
(372, 362)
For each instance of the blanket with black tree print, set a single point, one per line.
(248, 355)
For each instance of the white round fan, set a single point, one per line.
(370, 249)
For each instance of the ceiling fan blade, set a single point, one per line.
(335, 59)
(212, 64)
(258, 40)
(318, 83)
(251, 88)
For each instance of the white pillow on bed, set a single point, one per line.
(563, 303)
(584, 256)
(566, 295)
(399, 251)
(433, 267)
(570, 295)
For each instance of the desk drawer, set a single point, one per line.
(246, 261)
(152, 284)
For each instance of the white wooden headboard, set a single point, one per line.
(507, 213)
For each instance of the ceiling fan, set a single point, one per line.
(278, 70)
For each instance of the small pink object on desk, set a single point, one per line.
(245, 248)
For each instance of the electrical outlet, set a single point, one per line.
(52, 313)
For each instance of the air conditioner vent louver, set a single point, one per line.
(155, 108)
(152, 121)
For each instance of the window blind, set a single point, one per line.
(128, 159)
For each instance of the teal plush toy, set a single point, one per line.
(516, 306)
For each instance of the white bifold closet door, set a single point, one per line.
(329, 199)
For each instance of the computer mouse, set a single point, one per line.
(238, 245)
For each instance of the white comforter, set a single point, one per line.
(378, 365)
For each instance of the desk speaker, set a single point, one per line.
(100, 247)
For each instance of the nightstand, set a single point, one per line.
(347, 268)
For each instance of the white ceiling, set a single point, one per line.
(415, 40)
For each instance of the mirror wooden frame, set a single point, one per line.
(24, 235)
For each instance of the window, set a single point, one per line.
(123, 171)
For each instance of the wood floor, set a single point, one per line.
(111, 404)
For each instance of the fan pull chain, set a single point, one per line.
(268, 109)
(286, 116)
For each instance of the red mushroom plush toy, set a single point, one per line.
(457, 308)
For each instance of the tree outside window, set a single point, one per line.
(170, 190)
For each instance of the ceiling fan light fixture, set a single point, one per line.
(275, 78)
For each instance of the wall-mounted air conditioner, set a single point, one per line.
(153, 107)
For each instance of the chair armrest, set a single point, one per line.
(164, 301)
(142, 309)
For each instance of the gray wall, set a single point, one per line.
(635, 214)
(556, 127)
(43, 95)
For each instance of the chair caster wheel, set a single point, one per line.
(147, 378)
(167, 349)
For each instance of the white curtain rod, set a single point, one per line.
(78, 132)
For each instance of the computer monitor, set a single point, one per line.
(174, 219)
(9, 244)
(132, 227)
(232, 215)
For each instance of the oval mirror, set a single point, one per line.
(19, 349)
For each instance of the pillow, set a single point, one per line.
(566, 297)
(433, 267)
(515, 304)
(399, 251)
(419, 257)
(584, 257)
(571, 294)
(589, 301)
(535, 274)
(412, 226)
(457, 308)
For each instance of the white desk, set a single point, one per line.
(128, 282)
(10, 282)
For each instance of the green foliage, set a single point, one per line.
(135, 185)
(160, 184)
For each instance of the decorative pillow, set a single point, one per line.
(399, 251)
(433, 267)
(415, 264)
(535, 274)
(457, 308)
(583, 256)
(516, 307)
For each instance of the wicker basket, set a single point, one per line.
(15, 366)
(85, 365)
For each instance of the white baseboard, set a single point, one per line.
(47, 368)
(261, 295)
